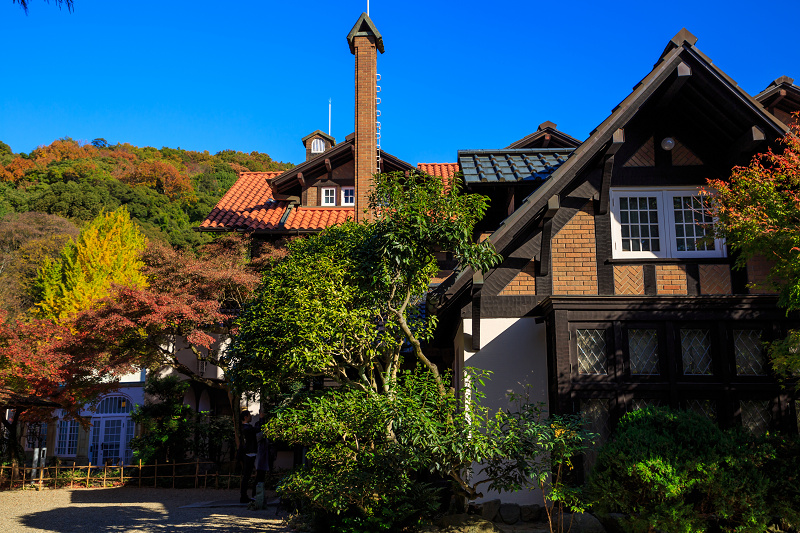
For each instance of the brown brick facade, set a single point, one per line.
(715, 279)
(671, 279)
(758, 268)
(523, 283)
(628, 279)
(574, 256)
(366, 145)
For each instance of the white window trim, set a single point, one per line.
(319, 144)
(322, 199)
(343, 195)
(59, 436)
(666, 225)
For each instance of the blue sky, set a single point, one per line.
(257, 75)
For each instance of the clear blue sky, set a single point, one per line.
(257, 74)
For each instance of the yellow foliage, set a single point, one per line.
(107, 252)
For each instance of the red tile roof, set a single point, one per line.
(317, 218)
(443, 170)
(247, 205)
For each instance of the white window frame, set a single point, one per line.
(65, 429)
(345, 190)
(323, 200)
(317, 146)
(666, 225)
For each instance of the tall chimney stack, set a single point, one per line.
(364, 39)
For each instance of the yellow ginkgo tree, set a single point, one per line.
(107, 252)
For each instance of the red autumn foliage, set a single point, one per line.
(188, 298)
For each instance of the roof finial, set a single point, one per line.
(367, 7)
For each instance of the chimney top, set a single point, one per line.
(364, 27)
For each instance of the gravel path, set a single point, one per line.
(130, 509)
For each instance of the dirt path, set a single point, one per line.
(130, 509)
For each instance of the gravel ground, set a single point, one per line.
(130, 509)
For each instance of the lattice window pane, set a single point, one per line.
(696, 351)
(596, 420)
(755, 416)
(639, 224)
(749, 352)
(705, 408)
(643, 351)
(643, 403)
(592, 351)
(693, 224)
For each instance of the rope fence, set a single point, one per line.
(202, 473)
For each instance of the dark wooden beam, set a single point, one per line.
(553, 204)
(477, 287)
(547, 137)
(774, 104)
(328, 165)
(301, 179)
(617, 140)
(684, 72)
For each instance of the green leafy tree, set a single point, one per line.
(165, 421)
(758, 212)
(106, 252)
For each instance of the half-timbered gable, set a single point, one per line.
(613, 286)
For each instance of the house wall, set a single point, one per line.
(514, 350)
(574, 255)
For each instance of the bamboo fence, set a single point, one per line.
(97, 476)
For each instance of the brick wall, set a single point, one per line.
(311, 196)
(758, 268)
(523, 283)
(366, 146)
(670, 279)
(574, 257)
(628, 279)
(715, 279)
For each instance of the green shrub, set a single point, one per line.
(678, 472)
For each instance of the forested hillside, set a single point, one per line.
(168, 191)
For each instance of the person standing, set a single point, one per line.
(247, 454)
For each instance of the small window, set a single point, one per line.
(317, 146)
(328, 196)
(673, 223)
(591, 351)
(348, 196)
(755, 416)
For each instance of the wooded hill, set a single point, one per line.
(167, 191)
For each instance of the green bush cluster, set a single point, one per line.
(678, 472)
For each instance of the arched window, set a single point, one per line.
(114, 405)
(317, 146)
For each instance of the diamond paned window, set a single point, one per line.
(595, 414)
(692, 224)
(755, 416)
(592, 351)
(705, 408)
(696, 351)
(643, 403)
(749, 352)
(638, 221)
(643, 351)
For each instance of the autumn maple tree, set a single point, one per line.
(758, 213)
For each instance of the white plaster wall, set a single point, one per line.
(515, 351)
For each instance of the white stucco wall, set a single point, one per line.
(515, 351)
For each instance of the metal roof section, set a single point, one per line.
(515, 165)
(364, 26)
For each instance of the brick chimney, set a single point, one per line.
(364, 39)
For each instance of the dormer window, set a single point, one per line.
(317, 146)
(328, 196)
(649, 223)
(348, 196)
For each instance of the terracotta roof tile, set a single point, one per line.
(248, 205)
(443, 170)
(317, 218)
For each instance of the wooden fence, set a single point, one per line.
(140, 475)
